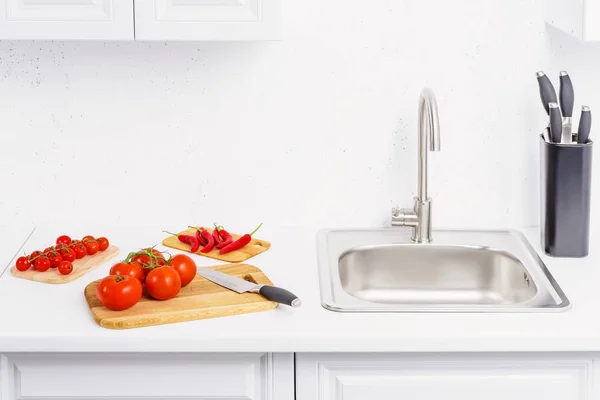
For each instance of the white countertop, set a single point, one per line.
(38, 317)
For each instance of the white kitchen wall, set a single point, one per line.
(318, 129)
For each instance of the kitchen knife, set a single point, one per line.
(585, 125)
(567, 101)
(547, 92)
(242, 286)
(555, 123)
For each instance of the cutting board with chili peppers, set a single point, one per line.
(200, 299)
(80, 268)
(255, 247)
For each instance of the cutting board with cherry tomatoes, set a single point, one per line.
(200, 299)
(80, 268)
(255, 247)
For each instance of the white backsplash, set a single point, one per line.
(318, 129)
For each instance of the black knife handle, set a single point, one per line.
(547, 92)
(280, 295)
(567, 94)
(555, 123)
(585, 125)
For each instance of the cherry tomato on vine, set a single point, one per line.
(23, 263)
(42, 264)
(88, 237)
(103, 243)
(48, 250)
(91, 247)
(67, 253)
(55, 259)
(34, 254)
(64, 239)
(65, 267)
(80, 250)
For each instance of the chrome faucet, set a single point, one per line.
(419, 218)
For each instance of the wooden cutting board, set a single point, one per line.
(252, 249)
(201, 299)
(80, 268)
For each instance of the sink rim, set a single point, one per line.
(550, 296)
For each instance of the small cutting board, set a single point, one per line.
(80, 268)
(200, 299)
(252, 249)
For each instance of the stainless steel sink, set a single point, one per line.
(383, 270)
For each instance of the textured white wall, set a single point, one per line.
(317, 129)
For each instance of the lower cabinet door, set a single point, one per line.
(255, 376)
(397, 377)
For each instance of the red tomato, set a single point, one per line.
(67, 254)
(88, 237)
(64, 239)
(91, 246)
(118, 292)
(80, 250)
(185, 267)
(48, 250)
(132, 269)
(103, 243)
(55, 259)
(23, 263)
(42, 264)
(65, 267)
(34, 254)
(163, 283)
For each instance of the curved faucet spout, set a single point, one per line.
(429, 125)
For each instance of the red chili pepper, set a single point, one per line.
(241, 242)
(225, 236)
(210, 241)
(216, 238)
(201, 240)
(187, 239)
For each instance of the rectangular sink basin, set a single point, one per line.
(382, 270)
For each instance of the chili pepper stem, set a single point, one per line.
(171, 233)
(257, 228)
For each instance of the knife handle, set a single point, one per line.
(555, 123)
(567, 94)
(280, 295)
(585, 125)
(547, 92)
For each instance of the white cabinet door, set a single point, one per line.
(207, 19)
(393, 377)
(580, 18)
(66, 19)
(251, 376)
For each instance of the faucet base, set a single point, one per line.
(419, 218)
(422, 232)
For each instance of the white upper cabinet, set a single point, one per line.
(207, 19)
(66, 19)
(580, 18)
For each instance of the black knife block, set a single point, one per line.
(566, 175)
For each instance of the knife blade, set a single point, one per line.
(567, 101)
(547, 92)
(239, 285)
(555, 123)
(585, 125)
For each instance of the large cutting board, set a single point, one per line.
(80, 268)
(201, 299)
(252, 249)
